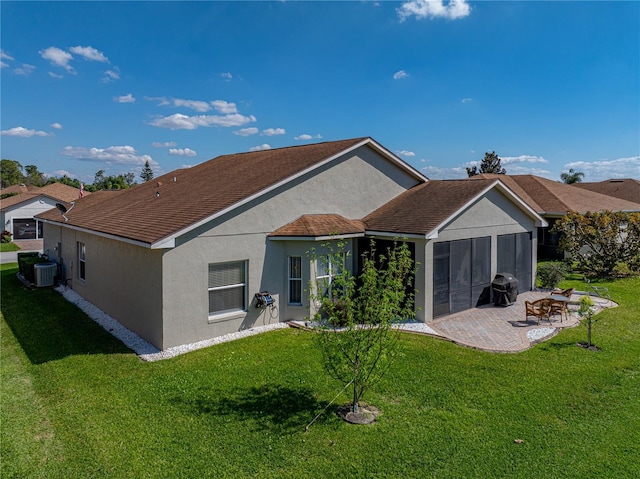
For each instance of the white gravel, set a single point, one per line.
(539, 333)
(144, 349)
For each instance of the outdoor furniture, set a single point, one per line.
(559, 303)
(540, 308)
(599, 291)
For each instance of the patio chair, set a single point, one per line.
(561, 307)
(540, 308)
(599, 291)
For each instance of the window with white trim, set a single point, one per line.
(227, 287)
(327, 268)
(295, 280)
(82, 261)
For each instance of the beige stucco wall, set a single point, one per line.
(123, 280)
(491, 215)
(352, 186)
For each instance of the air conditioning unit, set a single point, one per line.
(45, 274)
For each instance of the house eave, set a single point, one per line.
(102, 234)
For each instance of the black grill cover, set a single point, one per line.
(505, 289)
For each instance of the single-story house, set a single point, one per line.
(18, 211)
(552, 200)
(178, 259)
(624, 188)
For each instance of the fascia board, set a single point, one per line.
(102, 235)
(315, 238)
(387, 234)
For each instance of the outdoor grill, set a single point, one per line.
(505, 289)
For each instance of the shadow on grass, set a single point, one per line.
(48, 327)
(270, 407)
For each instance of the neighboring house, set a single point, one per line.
(625, 188)
(178, 259)
(552, 200)
(17, 212)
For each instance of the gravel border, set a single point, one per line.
(145, 350)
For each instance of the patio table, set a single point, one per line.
(562, 302)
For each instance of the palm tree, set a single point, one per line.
(572, 177)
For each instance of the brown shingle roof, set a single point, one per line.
(625, 188)
(552, 197)
(56, 191)
(423, 208)
(320, 225)
(162, 207)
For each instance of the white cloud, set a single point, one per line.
(406, 153)
(197, 105)
(264, 146)
(273, 131)
(452, 10)
(24, 70)
(439, 173)
(182, 152)
(57, 126)
(58, 57)
(3, 65)
(400, 75)
(165, 144)
(305, 136)
(224, 106)
(128, 98)
(4, 55)
(111, 75)
(227, 76)
(179, 121)
(120, 155)
(55, 75)
(505, 160)
(599, 170)
(246, 131)
(89, 53)
(24, 132)
(466, 100)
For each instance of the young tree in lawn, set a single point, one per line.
(357, 338)
(489, 164)
(599, 241)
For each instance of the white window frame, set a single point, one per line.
(82, 261)
(291, 280)
(325, 281)
(244, 286)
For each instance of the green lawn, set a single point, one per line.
(77, 404)
(5, 247)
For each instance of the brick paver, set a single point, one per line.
(504, 329)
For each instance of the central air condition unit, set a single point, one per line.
(45, 274)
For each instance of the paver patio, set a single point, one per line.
(505, 329)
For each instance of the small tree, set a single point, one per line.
(489, 164)
(550, 274)
(587, 310)
(357, 338)
(599, 241)
(147, 172)
(572, 177)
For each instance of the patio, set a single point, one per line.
(505, 329)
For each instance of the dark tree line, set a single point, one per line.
(13, 173)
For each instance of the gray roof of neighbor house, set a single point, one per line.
(625, 188)
(155, 212)
(552, 198)
(56, 191)
(425, 208)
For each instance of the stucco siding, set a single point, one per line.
(26, 210)
(122, 280)
(491, 215)
(351, 186)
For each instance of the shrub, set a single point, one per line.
(6, 237)
(550, 274)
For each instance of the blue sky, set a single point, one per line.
(548, 85)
